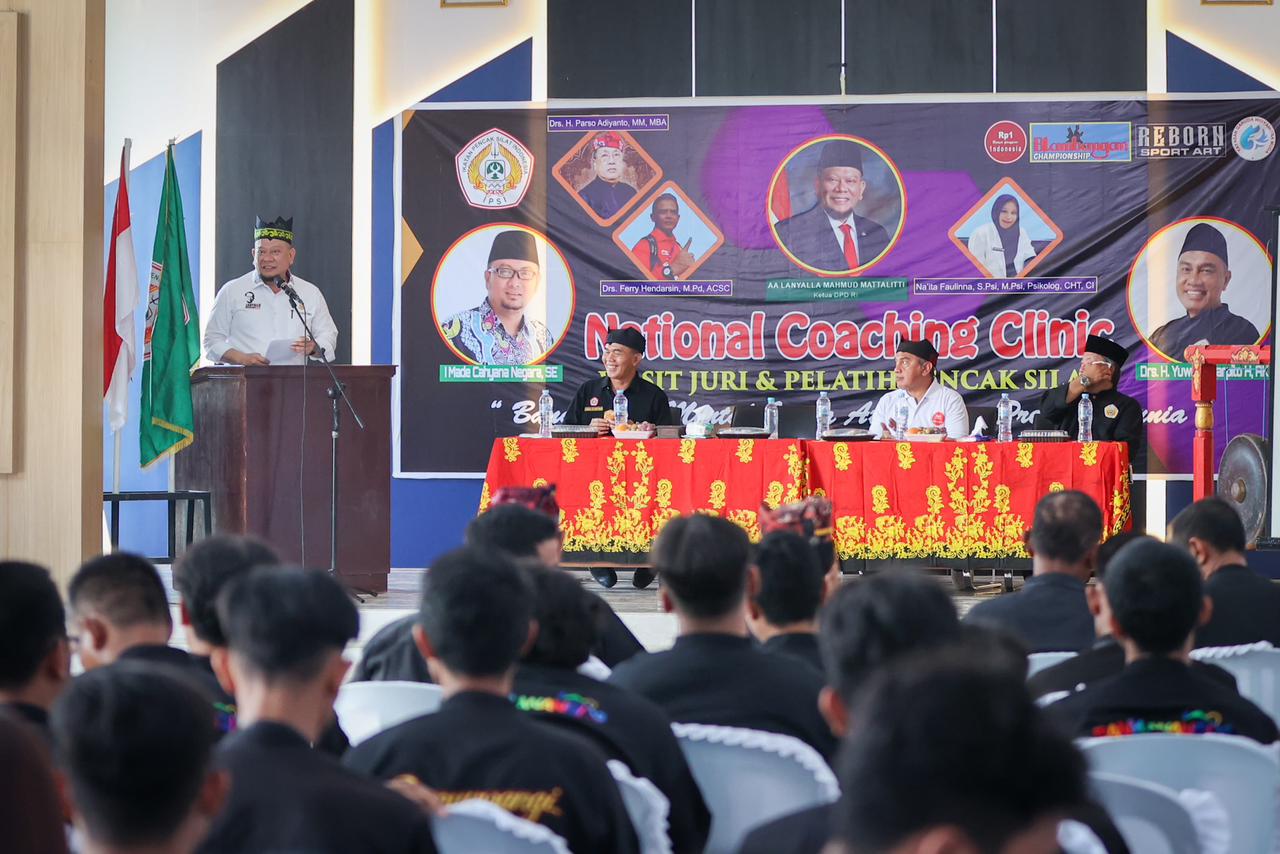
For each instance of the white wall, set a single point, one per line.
(161, 82)
(1242, 36)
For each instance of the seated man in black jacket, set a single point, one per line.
(1157, 597)
(35, 657)
(1246, 606)
(714, 674)
(286, 630)
(783, 614)
(475, 621)
(624, 725)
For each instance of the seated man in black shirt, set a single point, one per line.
(1106, 656)
(1246, 606)
(866, 625)
(135, 741)
(520, 532)
(35, 657)
(950, 754)
(624, 725)
(1117, 417)
(713, 674)
(475, 621)
(783, 613)
(1049, 613)
(1156, 599)
(285, 631)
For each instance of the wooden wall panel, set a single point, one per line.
(8, 214)
(51, 505)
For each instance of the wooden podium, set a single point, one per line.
(262, 449)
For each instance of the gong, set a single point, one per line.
(1243, 481)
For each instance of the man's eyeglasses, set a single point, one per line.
(525, 275)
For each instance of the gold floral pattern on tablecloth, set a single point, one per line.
(906, 456)
(841, 454)
(773, 495)
(688, 447)
(511, 449)
(745, 449)
(1089, 453)
(1026, 454)
(569, 450)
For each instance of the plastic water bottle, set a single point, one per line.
(619, 408)
(771, 418)
(546, 414)
(1004, 419)
(901, 417)
(823, 415)
(1084, 414)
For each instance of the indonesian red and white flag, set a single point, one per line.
(119, 299)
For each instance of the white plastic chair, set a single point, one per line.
(1256, 667)
(595, 668)
(1038, 661)
(1149, 816)
(749, 777)
(1242, 775)
(365, 709)
(647, 807)
(476, 826)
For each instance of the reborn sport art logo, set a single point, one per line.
(1254, 138)
(494, 170)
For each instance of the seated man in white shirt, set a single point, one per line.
(928, 404)
(262, 306)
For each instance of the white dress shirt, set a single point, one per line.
(940, 407)
(247, 316)
(837, 226)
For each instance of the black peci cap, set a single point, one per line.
(1106, 348)
(627, 337)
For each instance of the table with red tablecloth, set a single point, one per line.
(891, 499)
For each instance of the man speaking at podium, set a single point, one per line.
(255, 317)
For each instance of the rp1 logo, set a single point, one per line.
(1005, 142)
(1254, 138)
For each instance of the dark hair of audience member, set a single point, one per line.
(1066, 525)
(124, 589)
(944, 739)
(1156, 594)
(200, 573)
(284, 623)
(476, 610)
(568, 619)
(702, 561)
(874, 621)
(791, 579)
(32, 621)
(513, 528)
(1211, 520)
(1107, 551)
(997, 646)
(135, 742)
(30, 807)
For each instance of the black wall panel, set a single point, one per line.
(284, 149)
(1081, 46)
(768, 47)
(618, 50)
(893, 46)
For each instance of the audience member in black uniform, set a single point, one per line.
(1050, 613)
(31, 810)
(135, 742)
(864, 626)
(794, 578)
(1246, 606)
(624, 725)
(285, 631)
(476, 620)
(35, 656)
(1156, 598)
(522, 532)
(950, 754)
(714, 674)
(1106, 656)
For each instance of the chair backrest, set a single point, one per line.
(474, 826)
(365, 709)
(748, 777)
(1243, 775)
(1038, 661)
(595, 668)
(1148, 815)
(647, 807)
(1256, 667)
(797, 421)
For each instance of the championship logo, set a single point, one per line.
(494, 170)
(1254, 138)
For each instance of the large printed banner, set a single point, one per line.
(784, 250)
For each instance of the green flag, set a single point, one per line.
(172, 346)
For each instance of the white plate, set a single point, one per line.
(925, 437)
(633, 434)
